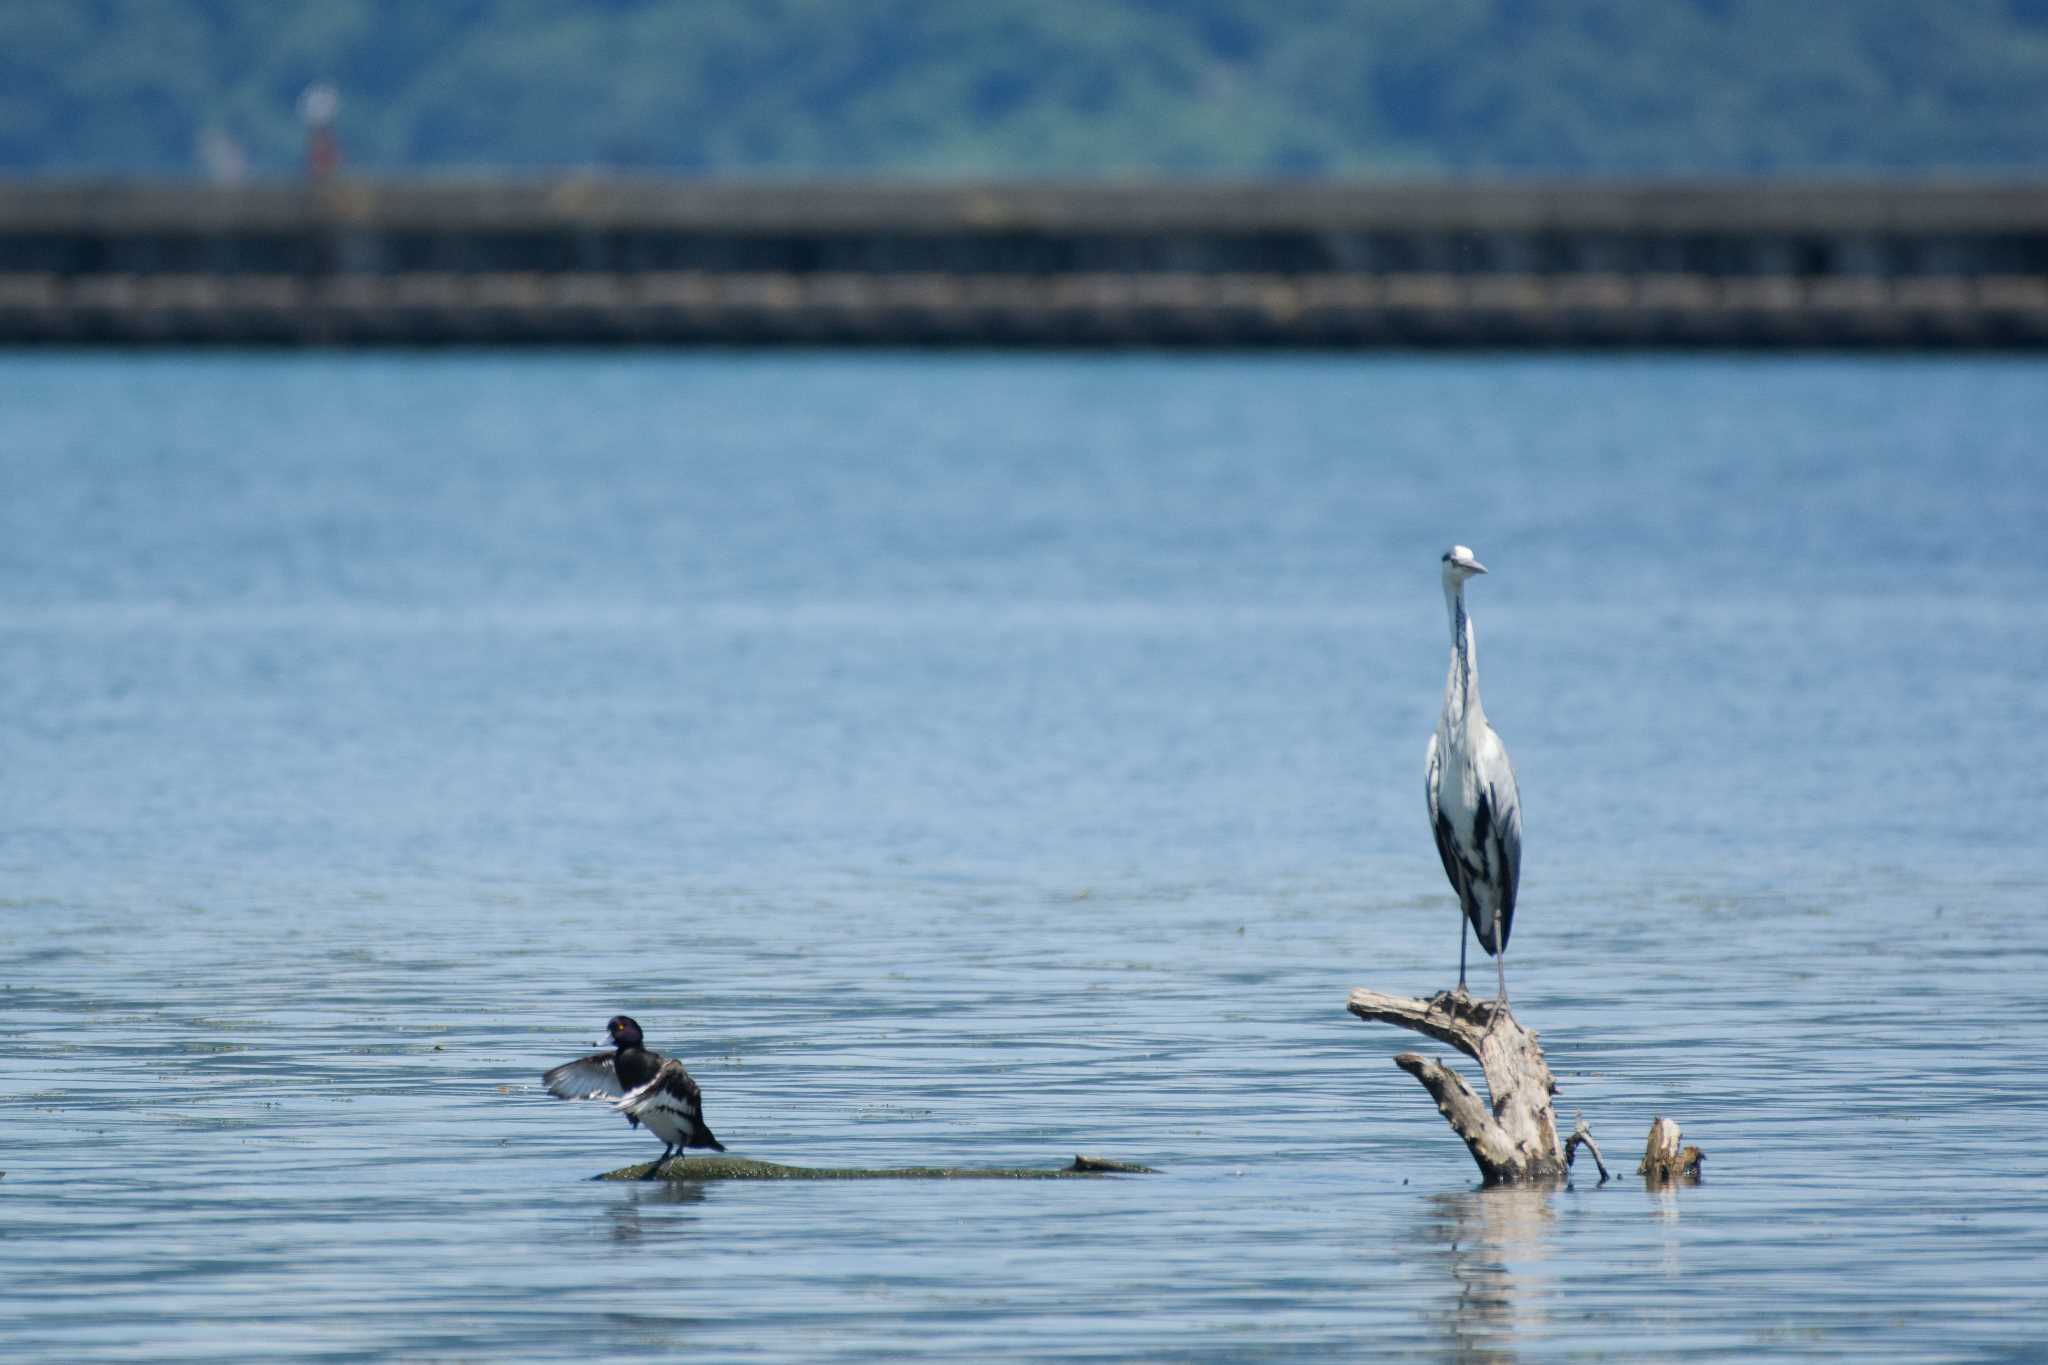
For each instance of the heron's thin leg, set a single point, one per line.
(1464, 931)
(1500, 962)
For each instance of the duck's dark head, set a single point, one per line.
(624, 1031)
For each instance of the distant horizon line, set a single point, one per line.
(1406, 177)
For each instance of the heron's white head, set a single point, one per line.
(1459, 565)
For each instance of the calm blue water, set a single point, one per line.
(981, 760)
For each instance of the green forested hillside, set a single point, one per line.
(1034, 87)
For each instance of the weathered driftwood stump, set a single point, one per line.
(745, 1168)
(1515, 1138)
(1664, 1161)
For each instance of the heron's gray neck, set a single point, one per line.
(1461, 689)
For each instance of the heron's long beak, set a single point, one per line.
(1474, 566)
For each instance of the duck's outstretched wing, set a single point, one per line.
(671, 1106)
(595, 1077)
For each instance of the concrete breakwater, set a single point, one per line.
(585, 261)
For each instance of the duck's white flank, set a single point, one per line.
(672, 1107)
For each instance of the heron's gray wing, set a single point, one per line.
(1446, 847)
(1505, 796)
(587, 1078)
(1432, 777)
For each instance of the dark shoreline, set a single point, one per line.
(1910, 265)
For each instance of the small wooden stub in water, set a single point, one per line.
(1664, 1161)
(745, 1168)
(1513, 1140)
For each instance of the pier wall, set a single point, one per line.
(592, 261)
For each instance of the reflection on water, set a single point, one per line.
(659, 1200)
(1496, 1244)
(1663, 1197)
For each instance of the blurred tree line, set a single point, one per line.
(1031, 87)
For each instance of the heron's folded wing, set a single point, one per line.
(1446, 838)
(1504, 795)
(1432, 778)
(1508, 831)
(587, 1078)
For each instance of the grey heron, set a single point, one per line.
(1474, 807)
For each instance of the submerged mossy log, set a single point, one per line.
(746, 1168)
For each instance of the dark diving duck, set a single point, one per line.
(641, 1084)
